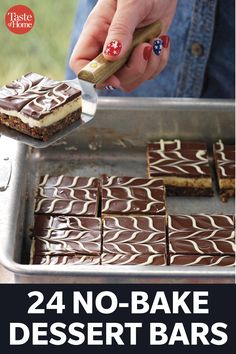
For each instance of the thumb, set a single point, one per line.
(121, 31)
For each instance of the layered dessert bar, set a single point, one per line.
(224, 156)
(65, 236)
(205, 260)
(132, 196)
(134, 235)
(38, 106)
(201, 234)
(65, 195)
(183, 166)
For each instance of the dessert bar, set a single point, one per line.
(183, 166)
(38, 106)
(132, 196)
(134, 235)
(65, 195)
(201, 234)
(84, 238)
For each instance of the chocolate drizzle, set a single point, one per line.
(65, 195)
(206, 260)
(179, 163)
(201, 234)
(132, 196)
(134, 235)
(62, 236)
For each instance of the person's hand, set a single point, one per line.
(110, 27)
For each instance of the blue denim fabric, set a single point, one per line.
(209, 23)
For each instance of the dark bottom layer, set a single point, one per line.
(225, 194)
(188, 191)
(36, 132)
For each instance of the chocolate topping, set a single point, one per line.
(65, 207)
(134, 235)
(201, 234)
(83, 238)
(67, 260)
(132, 196)
(36, 96)
(206, 260)
(68, 242)
(68, 182)
(48, 222)
(134, 259)
(67, 196)
(201, 222)
(179, 163)
(67, 193)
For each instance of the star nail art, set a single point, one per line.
(109, 88)
(157, 46)
(113, 48)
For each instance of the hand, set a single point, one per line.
(110, 27)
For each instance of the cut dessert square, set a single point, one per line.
(224, 156)
(132, 196)
(38, 106)
(134, 235)
(65, 195)
(183, 166)
(83, 238)
(201, 234)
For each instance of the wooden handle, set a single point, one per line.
(100, 69)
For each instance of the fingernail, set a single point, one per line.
(113, 48)
(147, 53)
(165, 40)
(157, 46)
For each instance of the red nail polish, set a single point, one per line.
(113, 49)
(147, 53)
(166, 41)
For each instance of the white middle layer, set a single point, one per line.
(52, 118)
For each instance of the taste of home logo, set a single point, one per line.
(19, 19)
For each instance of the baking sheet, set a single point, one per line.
(115, 144)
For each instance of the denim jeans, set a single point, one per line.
(202, 55)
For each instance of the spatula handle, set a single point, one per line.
(100, 69)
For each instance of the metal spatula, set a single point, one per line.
(97, 71)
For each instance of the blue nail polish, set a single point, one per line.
(157, 46)
(110, 88)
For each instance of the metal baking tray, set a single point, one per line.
(113, 143)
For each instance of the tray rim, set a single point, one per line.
(159, 103)
(120, 271)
